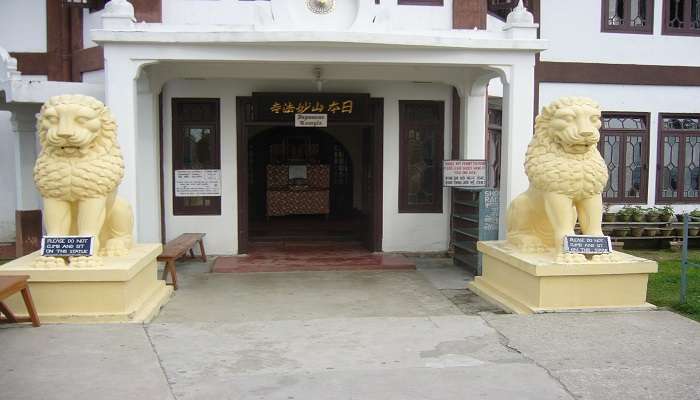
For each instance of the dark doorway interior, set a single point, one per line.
(333, 214)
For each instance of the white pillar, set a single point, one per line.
(147, 162)
(25, 143)
(518, 97)
(473, 121)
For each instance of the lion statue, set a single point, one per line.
(567, 176)
(77, 174)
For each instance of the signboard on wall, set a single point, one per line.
(338, 107)
(464, 173)
(197, 182)
(310, 120)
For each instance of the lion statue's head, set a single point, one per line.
(76, 126)
(80, 155)
(563, 155)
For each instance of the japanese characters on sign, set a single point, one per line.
(197, 182)
(585, 244)
(284, 106)
(67, 246)
(464, 173)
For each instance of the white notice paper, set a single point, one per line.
(197, 182)
(464, 173)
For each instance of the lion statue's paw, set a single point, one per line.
(570, 258)
(49, 262)
(86, 262)
(604, 258)
(528, 244)
(114, 248)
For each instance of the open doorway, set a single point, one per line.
(309, 184)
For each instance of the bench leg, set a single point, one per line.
(164, 275)
(9, 316)
(201, 250)
(27, 296)
(173, 274)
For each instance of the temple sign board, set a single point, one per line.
(464, 173)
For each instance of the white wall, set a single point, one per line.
(235, 12)
(428, 232)
(23, 25)
(651, 99)
(7, 179)
(574, 30)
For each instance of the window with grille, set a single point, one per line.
(678, 176)
(421, 130)
(628, 16)
(624, 144)
(681, 17)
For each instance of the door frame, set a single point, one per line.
(243, 124)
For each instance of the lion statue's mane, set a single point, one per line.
(98, 170)
(552, 169)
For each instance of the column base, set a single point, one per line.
(126, 289)
(533, 283)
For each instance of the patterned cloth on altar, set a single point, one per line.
(288, 195)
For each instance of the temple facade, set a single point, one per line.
(257, 121)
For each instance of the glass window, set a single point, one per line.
(681, 17)
(628, 16)
(624, 147)
(196, 146)
(679, 159)
(420, 156)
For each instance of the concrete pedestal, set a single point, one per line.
(533, 283)
(126, 289)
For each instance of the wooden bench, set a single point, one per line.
(178, 248)
(9, 285)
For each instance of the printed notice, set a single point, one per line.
(66, 246)
(585, 244)
(197, 182)
(464, 173)
(311, 120)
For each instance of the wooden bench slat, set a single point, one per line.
(9, 285)
(12, 284)
(177, 248)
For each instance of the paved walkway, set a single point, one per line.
(352, 335)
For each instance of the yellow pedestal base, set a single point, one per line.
(126, 289)
(532, 283)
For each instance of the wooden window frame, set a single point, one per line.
(438, 156)
(436, 3)
(648, 29)
(178, 126)
(687, 31)
(645, 134)
(681, 160)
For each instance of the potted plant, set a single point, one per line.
(652, 214)
(607, 231)
(621, 232)
(666, 231)
(637, 213)
(636, 231)
(693, 230)
(666, 213)
(695, 215)
(607, 215)
(624, 214)
(651, 232)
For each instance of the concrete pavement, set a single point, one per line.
(352, 335)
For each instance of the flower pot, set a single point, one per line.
(636, 231)
(665, 231)
(651, 232)
(652, 217)
(693, 231)
(621, 232)
(638, 218)
(609, 217)
(623, 217)
(667, 217)
(607, 231)
(678, 231)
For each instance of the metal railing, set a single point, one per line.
(685, 264)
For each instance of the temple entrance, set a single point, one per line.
(314, 186)
(301, 184)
